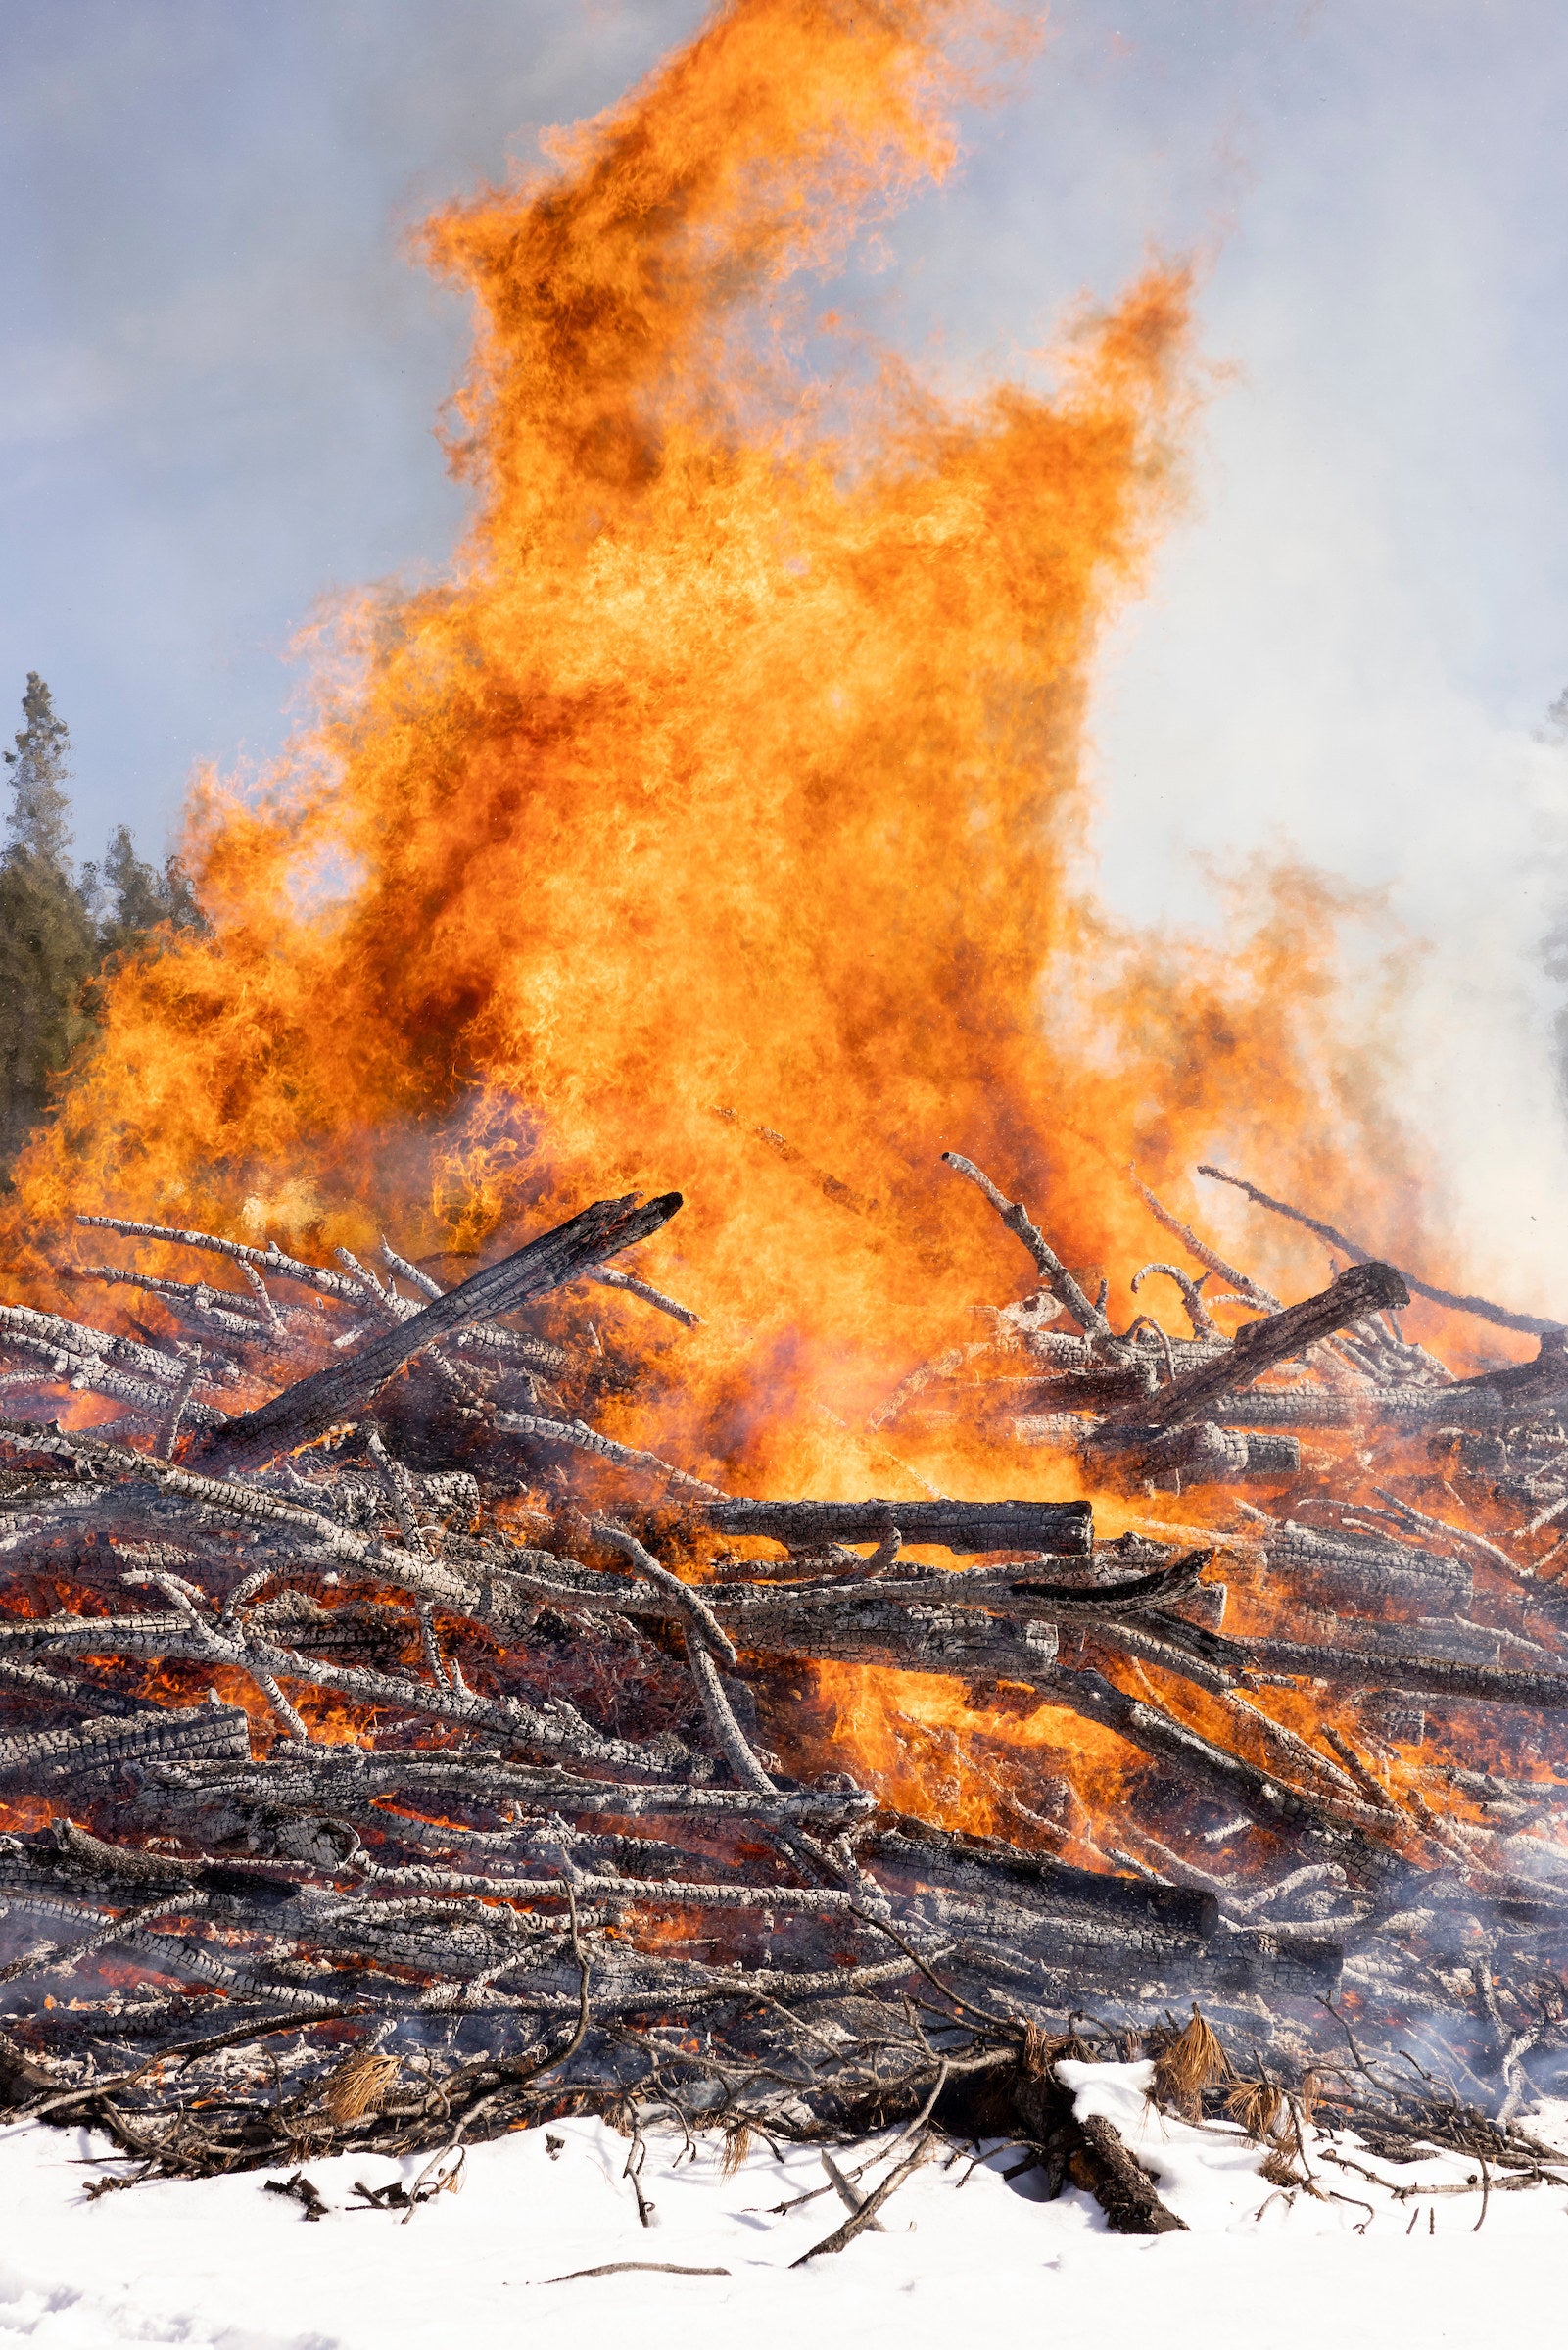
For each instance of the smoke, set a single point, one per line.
(1349, 642)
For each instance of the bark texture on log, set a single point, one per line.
(343, 1390)
(1359, 1289)
(1092, 2154)
(1063, 1528)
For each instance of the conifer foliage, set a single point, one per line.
(131, 900)
(48, 944)
(58, 930)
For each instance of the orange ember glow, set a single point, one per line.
(719, 824)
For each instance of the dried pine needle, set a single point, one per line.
(1258, 2107)
(358, 2084)
(1187, 2064)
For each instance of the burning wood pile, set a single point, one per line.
(391, 1758)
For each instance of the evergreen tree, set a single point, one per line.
(58, 935)
(48, 941)
(132, 899)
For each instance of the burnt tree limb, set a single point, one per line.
(1386, 1663)
(342, 1391)
(1124, 2194)
(1177, 1747)
(980, 1863)
(1418, 1675)
(1092, 2154)
(1062, 1528)
(341, 1779)
(1063, 1286)
(1360, 1289)
(1482, 1307)
(214, 1733)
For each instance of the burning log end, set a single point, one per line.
(1359, 1289)
(1274, 1958)
(1207, 1454)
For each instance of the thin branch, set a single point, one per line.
(1482, 1308)
(1090, 1318)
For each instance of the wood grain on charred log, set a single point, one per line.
(342, 1391)
(1257, 1345)
(1062, 1528)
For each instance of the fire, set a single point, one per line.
(720, 822)
(920, 1744)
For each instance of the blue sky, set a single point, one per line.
(222, 373)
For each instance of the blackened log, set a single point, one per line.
(980, 1862)
(99, 1749)
(1349, 1569)
(931, 1639)
(1092, 2154)
(81, 1855)
(339, 1778)
(1176, 1650)
(1205, 1455)
(1064, 1528)
(1531, 1386)
(1359, 1289)
(1199, 1760)
(1377, 1665)
(749, 1606)
(1100, 1389)
(1158, 1588)
(1429, 1676)
(1466, 1404)
(1275, 1960)
(1124, 2194)
(1094, 1954)
(1202, 1454)
(342, 1391)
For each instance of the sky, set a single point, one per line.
(222, 371)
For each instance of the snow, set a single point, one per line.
(223, 2265)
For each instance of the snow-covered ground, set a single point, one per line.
(966, 2255)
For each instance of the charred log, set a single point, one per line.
(524, 1749)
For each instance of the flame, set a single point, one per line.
(919, 1742)
(720, 822)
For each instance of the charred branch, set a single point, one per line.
(547, 1763)
(312, 1405)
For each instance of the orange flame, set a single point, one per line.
(719, 823)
